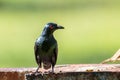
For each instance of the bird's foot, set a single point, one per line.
(37, 72)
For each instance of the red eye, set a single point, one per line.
(51, 27)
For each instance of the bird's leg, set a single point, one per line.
(37, 68)
(52, 69)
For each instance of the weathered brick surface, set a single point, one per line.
(65, 72)
(76, 76)
(14, 73)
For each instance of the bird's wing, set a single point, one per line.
(37, 57)
(55, 54)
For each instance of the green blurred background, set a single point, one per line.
(91, 34)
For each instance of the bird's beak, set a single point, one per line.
(60, 27)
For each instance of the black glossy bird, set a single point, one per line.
(46, 47)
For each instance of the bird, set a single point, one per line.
(46, 47)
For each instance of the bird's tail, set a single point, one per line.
(46, 65)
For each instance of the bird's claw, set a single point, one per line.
(35, 73)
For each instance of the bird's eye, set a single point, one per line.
(51, 27)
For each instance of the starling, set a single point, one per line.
(46, 47)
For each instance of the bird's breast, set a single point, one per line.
(46, 44)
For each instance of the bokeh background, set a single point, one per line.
(91, 34)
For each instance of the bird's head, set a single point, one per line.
(51, 27)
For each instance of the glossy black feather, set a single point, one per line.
(37, 57)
